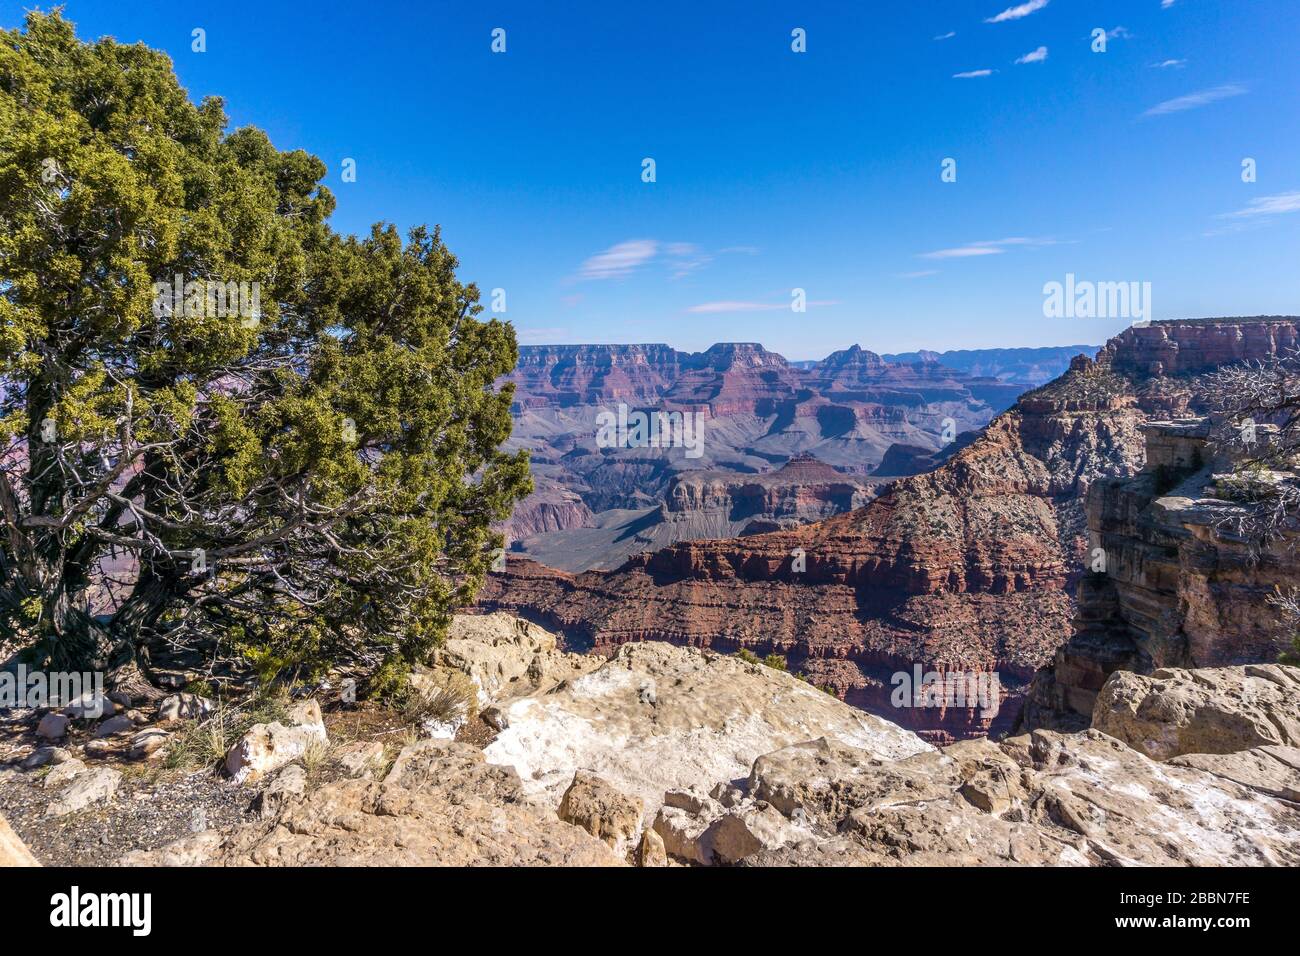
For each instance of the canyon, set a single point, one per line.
(968, 569)
(853, 412)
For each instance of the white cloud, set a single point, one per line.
(1166, 4)
(1168, 64)
(740, 306)
(1194, 100)
(1266, 206)
(625, 258)
(1119, 33)
(946, 36)
(972, 74)
(1016, 13)
(619, 260)
(992, 247)
(1038, 56)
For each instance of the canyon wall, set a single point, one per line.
(969, 568)
(1173, 586)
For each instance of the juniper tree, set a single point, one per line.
(307, 479)
(1255, 411)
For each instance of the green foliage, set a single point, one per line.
(748, 656)
(775, 661)
(334, 453)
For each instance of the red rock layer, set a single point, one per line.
(964, 568)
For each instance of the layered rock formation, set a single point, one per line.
(701, 504)
(1033, 366)
(1172, 588)
(757, 410)
(968, 568)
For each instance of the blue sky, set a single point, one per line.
(779, 170)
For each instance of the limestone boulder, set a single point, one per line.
(601, 810)
(507, 657)
(267, 747)
(359, 758)
(184, 707)
(1217, 710)
(53, 726)
(85, 788)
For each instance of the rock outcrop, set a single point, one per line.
(1214, 710)
(1170, 585)
(1045, 799)
(439, 805)
(968, 569)
(507, 657)
(656, 717)
(667, 755)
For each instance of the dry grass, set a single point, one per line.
(205, 743)
(441, 695)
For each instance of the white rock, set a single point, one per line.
(46, 755)
(712, 716)
(62, 773)
(90, 706)
(147, 742)
(268, 747)
(360, 758)
(184, 707)
(53, 726)
(115, 725)
(91, 786)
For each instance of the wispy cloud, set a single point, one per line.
(920, 274)
(707, 308)
(1119, 33)
(1277, 205)
(685, 257)
(1166, 4)
(1038, 56)
(680, 258)
(946, 36)
(1169, 64)
(619, 260)
(992, 247)
(1196, 100)
(973, 74)
(1018, 12)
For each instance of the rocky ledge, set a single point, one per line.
(674, 756)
